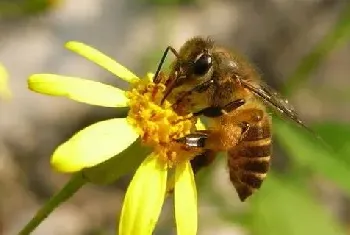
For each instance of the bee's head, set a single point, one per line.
(194, 63)
(193, 67)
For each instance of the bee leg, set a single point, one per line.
(202, 87)
(202, 160)
(233, 105)
(161, 62)
(210, 112)
(216, 111)
(211, 139)
(198, 139)
(194, 140)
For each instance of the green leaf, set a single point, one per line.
(337, 135)
(125, 162)
(285, 207)
(339, 34)
(307, 151)
(11, 9)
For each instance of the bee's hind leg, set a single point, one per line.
(202, 160)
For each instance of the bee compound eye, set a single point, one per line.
(202, 64)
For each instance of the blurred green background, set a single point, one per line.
(301, 48)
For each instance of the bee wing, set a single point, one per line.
(273, 99)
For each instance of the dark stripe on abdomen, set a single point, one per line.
(251, 179)
(258, 131)
(256, 165)
(249, 161)
(253, 151)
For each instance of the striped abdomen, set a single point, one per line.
(249, 160)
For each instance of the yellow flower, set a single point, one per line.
(156, 124)
(5, 92)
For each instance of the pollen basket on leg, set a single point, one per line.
(158, 124)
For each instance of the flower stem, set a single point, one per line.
(73, 185)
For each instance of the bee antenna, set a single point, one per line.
(161, 62)
(168, 90)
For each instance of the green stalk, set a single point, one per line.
(73, 185)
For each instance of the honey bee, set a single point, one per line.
(206, 79)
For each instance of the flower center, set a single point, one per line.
(158, 124)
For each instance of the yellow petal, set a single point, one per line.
(4, 89)
(102, 60)
(124, 163)
(200, 125)
(185, 200)
(144, 198)
(78, 89)
(93, 145)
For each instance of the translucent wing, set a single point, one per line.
(273, 99)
